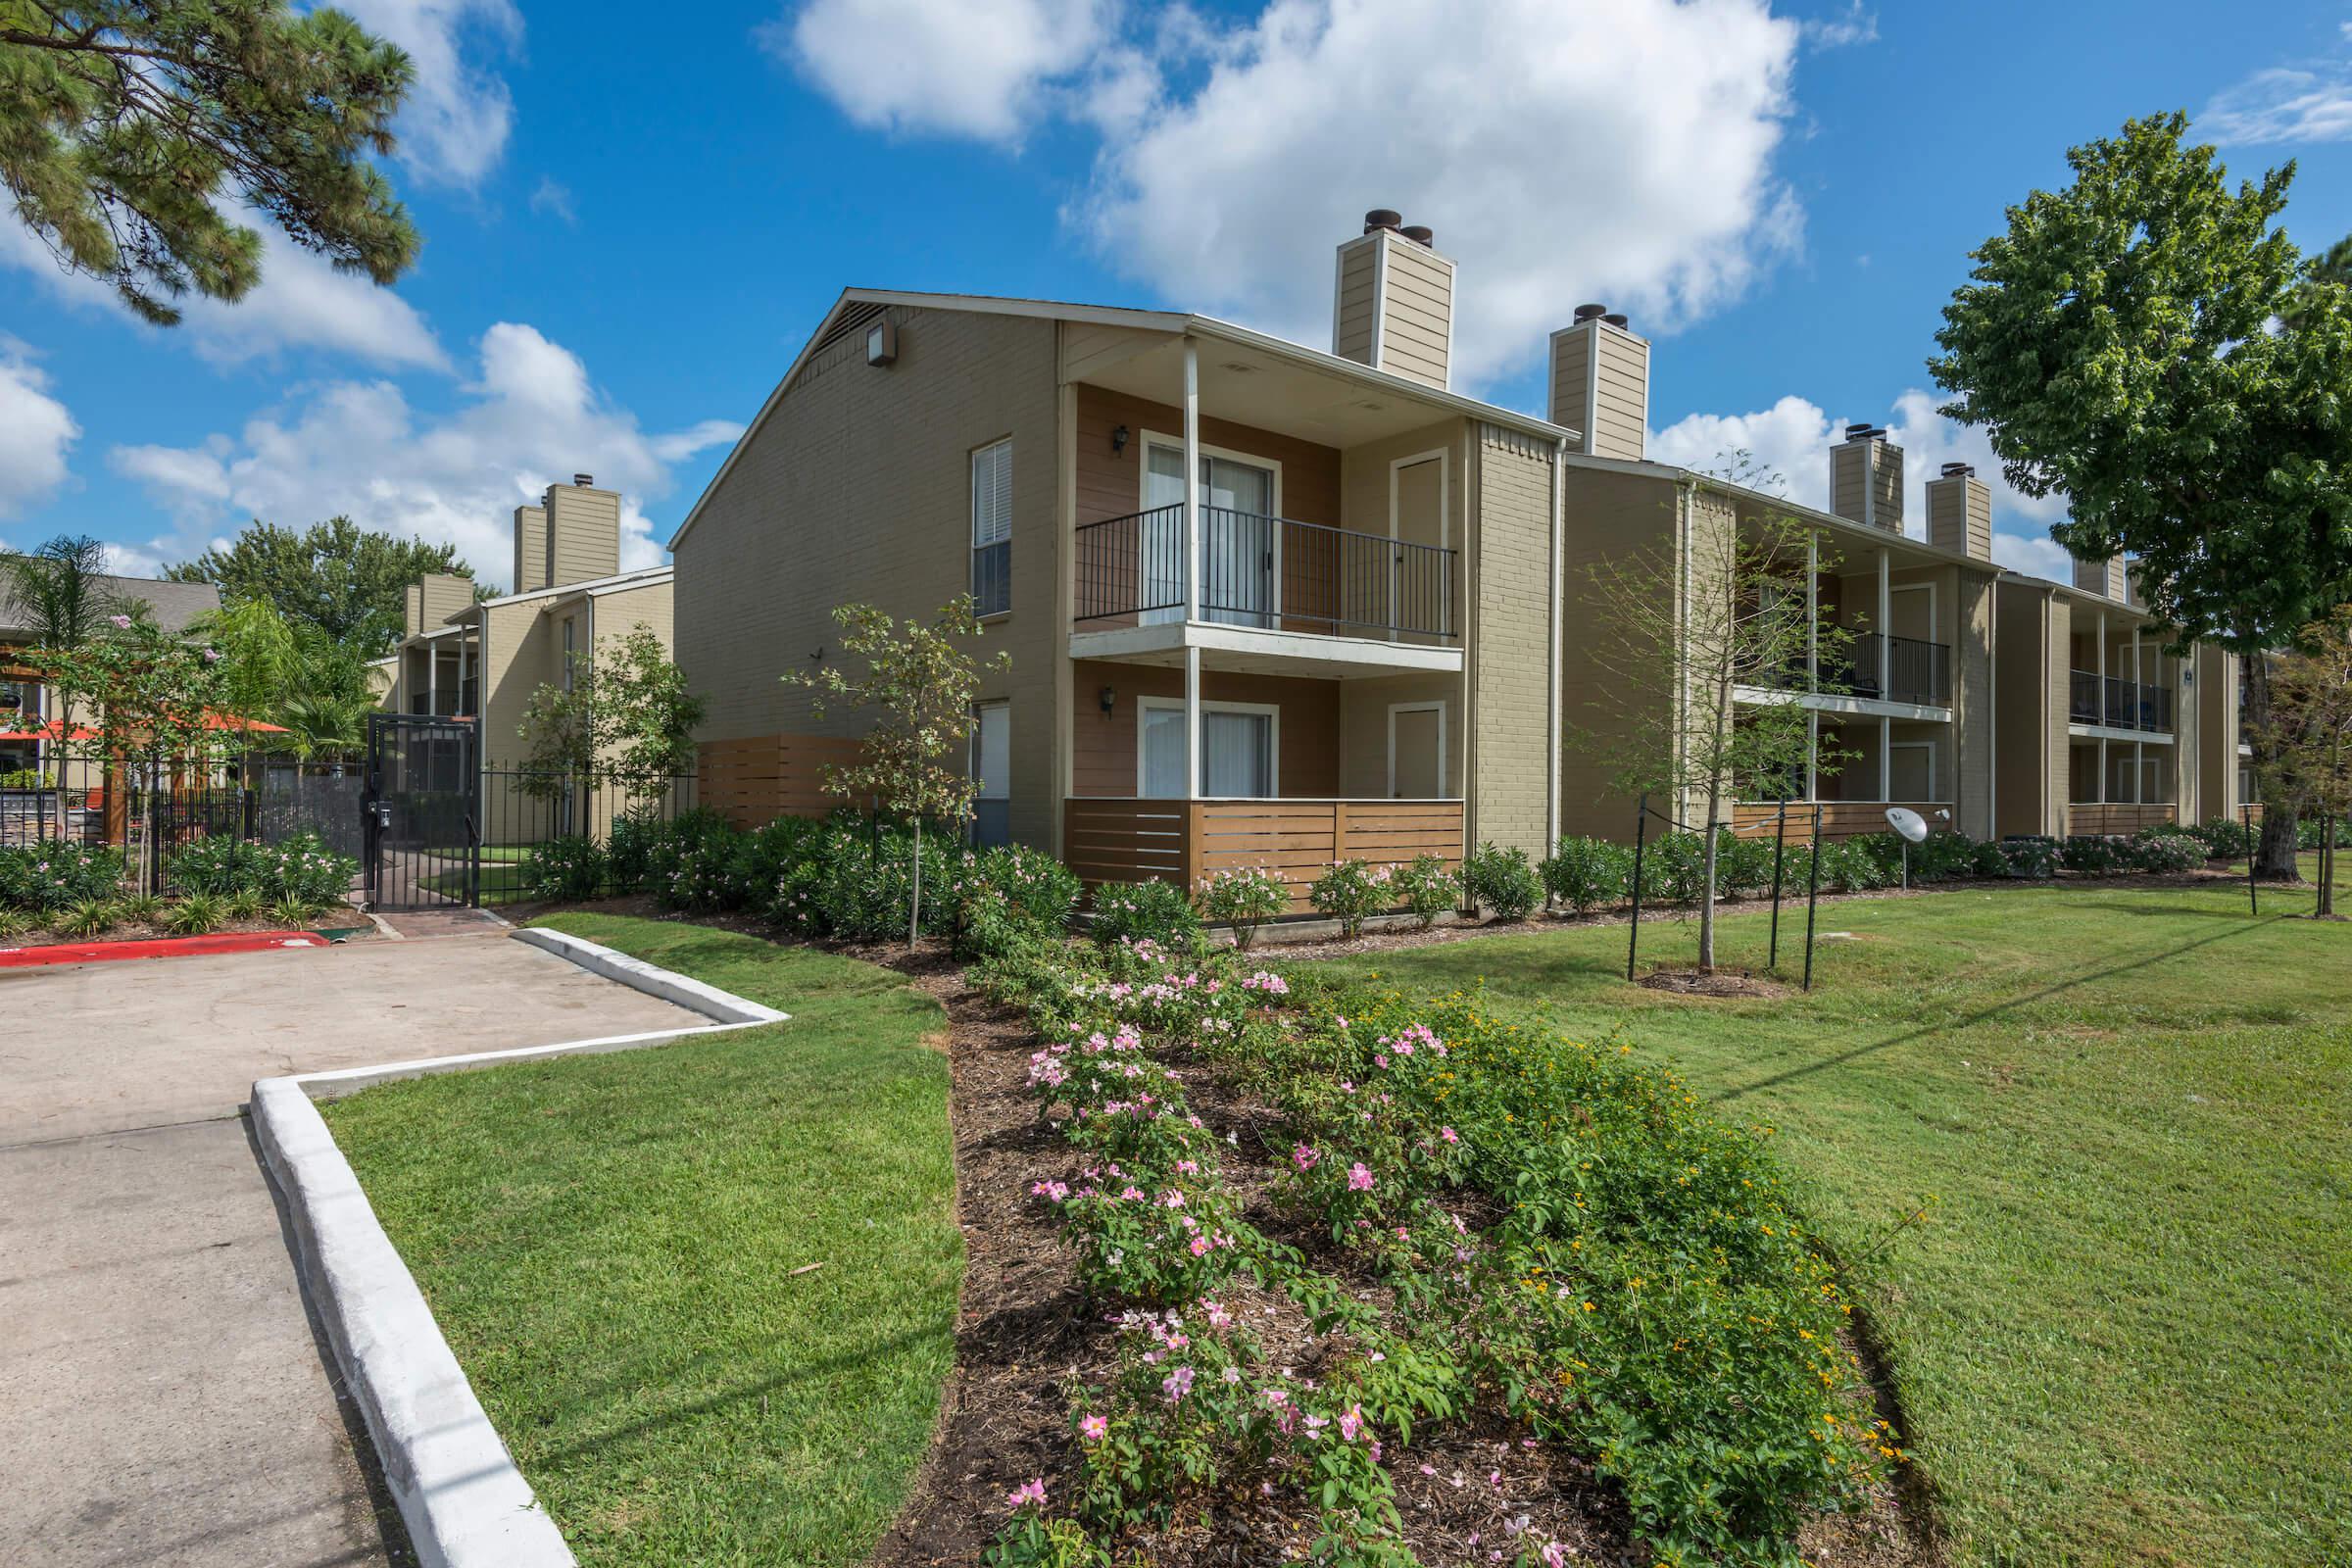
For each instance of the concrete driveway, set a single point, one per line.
(167, 1400)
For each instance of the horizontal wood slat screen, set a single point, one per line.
(1839, 819)
(2116, 818)
(1186, 841)
(755, 781)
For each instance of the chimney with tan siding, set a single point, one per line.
(2102, 577)
(1599, 384)
(1393, 301)
(441, 595)
(530, 549)
(1960, 512)
(1866, 478)
(573, 535)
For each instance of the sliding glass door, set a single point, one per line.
(1237, 741)
(1238, 541)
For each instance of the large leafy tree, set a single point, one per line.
(127, 126)
(2124, 345)
(334, 575)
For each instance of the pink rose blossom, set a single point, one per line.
(1033, 1492)
(1094, 1428)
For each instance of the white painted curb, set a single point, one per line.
(464, 1503)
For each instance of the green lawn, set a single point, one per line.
(608, 1244)
(2124, 1335)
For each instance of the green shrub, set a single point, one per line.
(2310, 830)
(1010, 896)
(1501, 882)
(856, 881)
(293, 913)
(1243, 900)
(22, 778)
(1586, 873)
(2164, 854)
(564, 870)
(689, 862)
(1145, 911)
(1944, 856)
(629, 849)
(1679, 862)
(2092, 854)
(1426, 888)
(55, 874)
(1853, 865)
(2225, 838)
(1350, 891)
(1742, 866)
(2032, 856)
(298, 866)
(765, 855)
(1989, 859)
(143, 909)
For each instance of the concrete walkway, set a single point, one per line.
(166, 1400)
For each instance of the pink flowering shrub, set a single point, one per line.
(1349, 890)
(1242, 899)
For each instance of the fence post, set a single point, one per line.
(1779, 851)
(1812, 895)
(1632, 935)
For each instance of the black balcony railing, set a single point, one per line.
(1914, 671)
(1272, 573)
(2117, 702)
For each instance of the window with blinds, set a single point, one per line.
(992, 528)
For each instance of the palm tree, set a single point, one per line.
(59, 596)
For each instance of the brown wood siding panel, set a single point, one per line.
(1103, 746)
(1839, 819)
(756, 780)
(1112, 484)
(2113, 819)
(1178, 841)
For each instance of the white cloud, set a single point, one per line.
(2283, 104)
(1792, 439)
(1854, 25)
(530, 416)
(453, 128)
(553, 198)
(301, 302)
(35, 430)
(959, 67)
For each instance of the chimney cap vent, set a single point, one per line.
(1959, 471)
(1863, 432)
(1420, 234)
(1590, 312)
(583, 480)
(1381, 218)
(1618, 320)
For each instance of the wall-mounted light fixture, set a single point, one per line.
(1118, 441)
(1110, 699)
(819, 655)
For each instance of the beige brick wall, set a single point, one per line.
(1509, 668)
(855, 487)
(1973, 703)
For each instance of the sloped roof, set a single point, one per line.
(172, 604)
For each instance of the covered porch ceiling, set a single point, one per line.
(1256, 386)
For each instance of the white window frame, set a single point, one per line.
(1001, 485)
(1175, 705)
(1175, 443)
(1433, 704)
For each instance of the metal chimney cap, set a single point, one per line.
(1959, 471)
(583, 480)
(1862, 432)
(1420, 234)
(1381, 218)
(1618, 320)
(1590, 312)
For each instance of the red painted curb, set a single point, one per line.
(157, 948)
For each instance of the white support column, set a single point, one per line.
(2140, 772)
(1192, 723)
(2099, 795)
(2102, 669)
(1813, 627)
(1813, 755)
(1885, 760)
(1192, 566)
(1886, 637)
(432, 680)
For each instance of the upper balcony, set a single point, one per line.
(2114, 702)
(1902, 677)
(1266, 574)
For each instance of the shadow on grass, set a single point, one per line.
(1987, 1015)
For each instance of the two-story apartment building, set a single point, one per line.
(30, 745)
(465, 655)
(1271, 605)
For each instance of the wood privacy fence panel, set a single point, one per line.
(1839, 819)
(755, 781)
(2115, 818)
(1185, 841)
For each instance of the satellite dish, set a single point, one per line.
(1909, 824)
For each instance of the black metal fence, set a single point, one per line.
(522, 808)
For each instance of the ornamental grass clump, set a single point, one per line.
(1566, 1241)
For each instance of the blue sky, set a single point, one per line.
(631, 227)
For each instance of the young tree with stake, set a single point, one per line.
(1681, 633)
(921, 686)
(2308, 739)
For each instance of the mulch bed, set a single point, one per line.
(1023, 1332)
(1721, 983)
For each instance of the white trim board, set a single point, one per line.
(463, 1501)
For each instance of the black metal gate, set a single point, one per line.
(423, 847)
